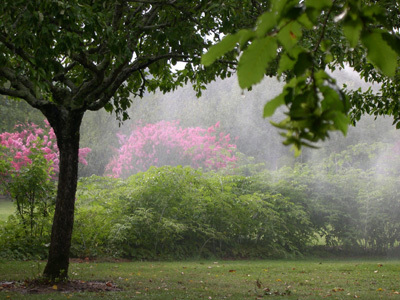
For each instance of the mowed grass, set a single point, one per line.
(6, 208)
(300, 279)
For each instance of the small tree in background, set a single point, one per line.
(165, 143)
(29, 163)
(19, 145)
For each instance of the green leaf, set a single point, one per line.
(352, 28)
(272, 105)
(254, 61)
(277, 6)
(380, 53)
(286, 63)
(305, 21)
(319, 4)
(393, 41)
(216, 51)
(331, 99)
(290, 34)
(341, 122)
(289, 59)
(304, 62)
(244, 36)
(265, 23)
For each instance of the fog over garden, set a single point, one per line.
(175, 130)
(252, 198)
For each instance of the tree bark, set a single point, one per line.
(66, 125)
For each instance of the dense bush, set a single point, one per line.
(179, 212)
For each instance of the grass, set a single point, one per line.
(264, 279)
(6, 209)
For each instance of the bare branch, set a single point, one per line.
(158, 26)
(82, 59)
(61, 77)
(20, 52)
(13, 78)
(20, 87)
(11, 92)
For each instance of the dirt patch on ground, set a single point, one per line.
(71, 286)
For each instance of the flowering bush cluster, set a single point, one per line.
(19, 145)
(165, 143)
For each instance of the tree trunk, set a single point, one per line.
(66, 125)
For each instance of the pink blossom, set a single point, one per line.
(20, 143)
(168, 143)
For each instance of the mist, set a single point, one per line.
(239, 114)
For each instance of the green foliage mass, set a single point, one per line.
(346, 203)
(180, 212)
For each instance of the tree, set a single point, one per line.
(299, 40)
(67, 57)
(166, 143)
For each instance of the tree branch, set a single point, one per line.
(20, 52)
(13, 78)
(324, 25)
(20, 87)
(62, 77)
(112, 83)
(82, 59)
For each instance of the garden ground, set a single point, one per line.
(263, 279)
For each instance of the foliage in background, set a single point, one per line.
(14, 112)
(166, 143)
(176, 212)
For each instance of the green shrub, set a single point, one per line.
(176, 212)
(26, 234)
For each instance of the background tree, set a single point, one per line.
(65, 58)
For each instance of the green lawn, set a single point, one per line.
(6, 209)
(300, 279)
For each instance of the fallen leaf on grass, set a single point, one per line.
(232, 271)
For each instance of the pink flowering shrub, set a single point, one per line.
(19, 145)
(165, 143)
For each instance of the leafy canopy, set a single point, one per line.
(85, 55)
(299, 41)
